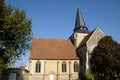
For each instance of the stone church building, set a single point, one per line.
(63, 59)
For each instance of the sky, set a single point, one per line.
(56, 18)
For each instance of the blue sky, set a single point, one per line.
(56, 18)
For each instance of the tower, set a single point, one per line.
(80, 29)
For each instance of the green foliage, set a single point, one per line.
(88, 76)
(105, 60)
(15, 34)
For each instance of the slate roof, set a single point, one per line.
(80, 25)
(49, 48)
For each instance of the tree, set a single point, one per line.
(15, 34)
(105, 60)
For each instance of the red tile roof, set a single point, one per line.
(46, 48)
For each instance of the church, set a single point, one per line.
(63, 59)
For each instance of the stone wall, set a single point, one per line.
(52, 68)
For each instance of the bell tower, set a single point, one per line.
(80, 29)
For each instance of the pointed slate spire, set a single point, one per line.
(79, 23)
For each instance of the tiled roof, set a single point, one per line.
(46, 48)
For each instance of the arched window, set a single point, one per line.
(64, 67)
(38, 67)
(76, 67)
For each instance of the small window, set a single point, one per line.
(84, 28)
(76, 67)
(64, 67)
(38, 67)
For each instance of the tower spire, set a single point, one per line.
(80, 25)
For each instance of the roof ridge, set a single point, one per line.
(52, 38)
